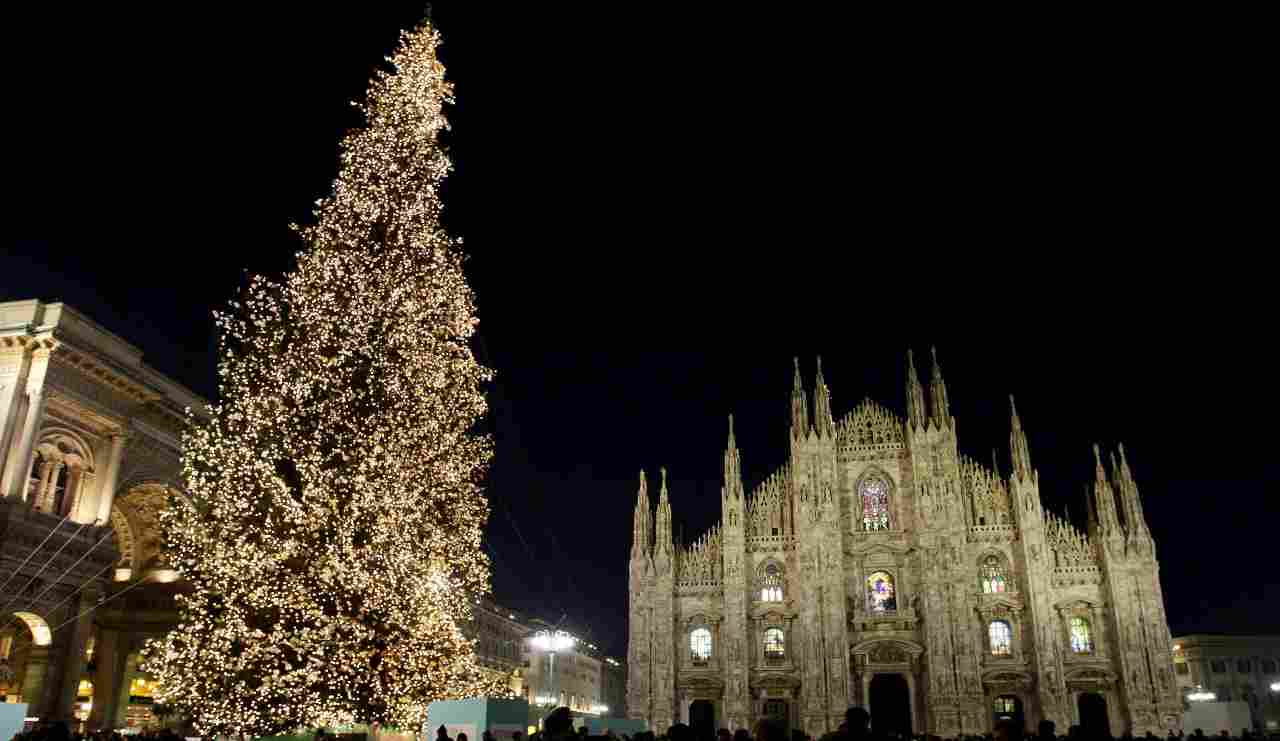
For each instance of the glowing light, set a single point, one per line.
(1275, 686)
(1201, 696)
(40, 633)
(332, 537)
(546, 640)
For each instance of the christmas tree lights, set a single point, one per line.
(331, 536)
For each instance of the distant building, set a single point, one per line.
(89, 444)
(565, 670)
(500, 642)
(1235, 669)
(881, 567)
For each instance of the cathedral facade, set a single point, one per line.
(882, 568)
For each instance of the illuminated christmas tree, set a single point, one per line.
(332, 534)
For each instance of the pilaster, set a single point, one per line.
(17, 464)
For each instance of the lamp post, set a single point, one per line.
(551, 642)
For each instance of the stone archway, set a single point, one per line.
(1094, 722)
(890, 702)
(702, 719)
(24, 665)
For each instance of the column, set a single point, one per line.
(71, 496)
(104, 679)
(121, 709)
(46, 473)
(73, 665)
(35, 680)
(916, 725)
(110, 479)
(17, 466)
(13, 363)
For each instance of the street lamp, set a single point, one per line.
(1275, 686)
(551, 642)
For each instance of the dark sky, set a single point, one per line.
(663, 208)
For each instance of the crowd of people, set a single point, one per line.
(558, 726)
(59, 731)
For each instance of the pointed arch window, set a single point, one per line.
(994, 579)
(1081, 636)
(1001, 635)
(882, 594)
(775, 645)
(771, 584)
(700, 645)
(874, 492)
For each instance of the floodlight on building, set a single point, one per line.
(1201, 696)
(546, 640)
(599, 709)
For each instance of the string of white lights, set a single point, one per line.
(33, 553)
(17, 595)
(19, 645)
(36, 599)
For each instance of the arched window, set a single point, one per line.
(700, 645)
(1006, 705)
(993, 576)
(881, 595)
(1001, 638)
(771, 585)
(1081, 636)
(874, 491)
(775, 645)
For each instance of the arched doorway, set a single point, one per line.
(1007, 707)
(1093, 715)
(702, 719)
(890, 705)
(777, 709)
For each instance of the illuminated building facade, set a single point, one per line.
(1234, 669)
(882, 568)
(89, 448)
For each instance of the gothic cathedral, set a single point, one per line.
(880, 567)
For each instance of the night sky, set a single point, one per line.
(664, 208)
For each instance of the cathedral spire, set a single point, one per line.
(1018, 448)
(1133, 514)
(822, 418)
(732, 467)
(1108, 520)
(915, 395)
(642, 526)
(662, 539)
(799, 406)
(938, 393)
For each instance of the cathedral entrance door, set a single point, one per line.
(777, 709)
(702, 719)
(890, 705)
(1009, 706)
(1093, 715)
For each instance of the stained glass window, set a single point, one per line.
(700, 644)
(1001, 638)
(874, 491)
(993, 579)
(1006, 705)
(771, 589)
(775, 644)
(1081, 637)
(881, 595)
